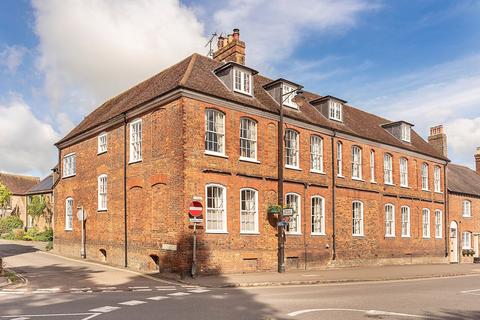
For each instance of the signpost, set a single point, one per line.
(195, 211)
(82, 216)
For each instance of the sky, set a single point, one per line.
(417, 60)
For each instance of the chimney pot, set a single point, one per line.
(236, 34)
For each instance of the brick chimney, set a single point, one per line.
(477, 160)
(230, 48)
(438, 139)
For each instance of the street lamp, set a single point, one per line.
(281, 137)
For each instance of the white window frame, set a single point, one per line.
(217, 131)
(426, 223)
(405, 217)
(388, 169)
(69, 165)
(389, 220)
(136, 135)
(297, 214)
(404, 172)
(248, 139)
(356, 163)
(406, 132)
(102, 192)
(466, 240)
(438, 224)
(245, 84)
(69, 214)
(244, 212)
(288, 97)
(339, 159)
(292, 149)
(223, 209)
(335, 110)
(425, 183)
(357, 205)
(437, 185)
(372, 166)
(466, 208)
(102, 143)
(317, 218)
(316, 154)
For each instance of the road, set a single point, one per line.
(74, 290)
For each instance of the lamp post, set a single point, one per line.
(280, 227)
(82, 217)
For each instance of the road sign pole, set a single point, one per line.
(83, 253)
(194, 262)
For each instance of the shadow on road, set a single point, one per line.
(454, 315)
(11, 249)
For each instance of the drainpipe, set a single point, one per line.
(125, 188)
(334, 242)
(446, 215)
(305, 186)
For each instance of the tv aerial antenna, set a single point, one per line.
(209, 44)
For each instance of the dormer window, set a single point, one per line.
(335, 110)
(288, 94)
(405, 132)
(242, 81)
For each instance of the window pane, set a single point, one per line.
(215, 210)
(248, 211)
(293, 201)
(318, 216)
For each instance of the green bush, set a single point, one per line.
(7, 224)
(34, 235)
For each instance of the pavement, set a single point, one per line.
(59, 288)
(338, 275)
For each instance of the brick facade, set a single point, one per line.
(175, 168)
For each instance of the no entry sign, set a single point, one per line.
(196, 209)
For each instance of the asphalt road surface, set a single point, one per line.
(63, 294)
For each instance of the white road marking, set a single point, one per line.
(28, 316)
(141, 287)
(367, 312)
(157, 298)
(179, 294)
(475, 292)
(165, 287)
(21, 318)
(199, 290)
(146, 289)
(132, 303)
(104, 309)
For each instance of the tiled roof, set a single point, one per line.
(462, 179)
(44, 186)
(196, 73)
(18, 184)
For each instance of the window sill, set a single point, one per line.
(406, 237)
(426, 238)
(358, 235)
(216, 232)
(215, 154)
(389, 184)
(438, 237)
(373, 181)
(256, 233)
(438, 192)
(243, 92)
(135, 161)
(99, 153)
(293, 168)
(293, 233)
(426, 190)
(72, 175)
(69, 229)
(102, 210)
(318, 234)
(466, 216)
(340, 176)
(317, 171)
(389, 237)
(249, 160)
(358, 179)
(405, 187)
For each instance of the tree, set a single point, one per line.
(5, 195)
(36, 207)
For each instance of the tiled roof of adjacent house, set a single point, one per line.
(44, 186)
(18, 184)
(463, 180)
(196, 73)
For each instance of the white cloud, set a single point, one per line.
(463, 138)
(92, 50)
(275, 29)
(26, 142)
(11, 57)
(446, 94)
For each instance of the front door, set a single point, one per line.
(475, 244)
(453, 242)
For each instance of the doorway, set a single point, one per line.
(453, 242)
(475, 244)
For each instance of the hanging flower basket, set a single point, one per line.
(274, 209)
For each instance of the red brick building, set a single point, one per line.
(364, 189)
